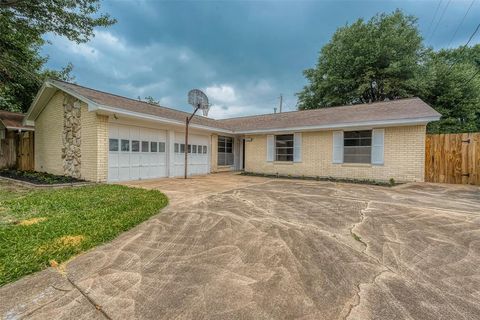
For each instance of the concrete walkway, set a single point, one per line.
(236, 247)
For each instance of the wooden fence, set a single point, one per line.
(8, 150)
(25, 157)
(17, 150)
(453, 158)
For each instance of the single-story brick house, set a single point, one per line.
(101, 137)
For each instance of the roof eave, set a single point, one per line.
(144, 116)
(348, 125)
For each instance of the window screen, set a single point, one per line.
(225, 151)
(113, 144)
(204, 149)
(176, 148)
(357, 146)
(284, 147)
(182, 148)
(194, 148)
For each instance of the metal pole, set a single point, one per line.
(187, 122)
(186, 147)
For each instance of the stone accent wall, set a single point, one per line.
(404, 157)
(72, 136)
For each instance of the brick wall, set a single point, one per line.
(93, 145)
(404, 153)
(48, 137)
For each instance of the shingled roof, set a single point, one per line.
(13, 120)
(389, 112)
(116, 101)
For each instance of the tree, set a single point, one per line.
(150, 100)
(23, 23)
(449, 81)
(365, 62)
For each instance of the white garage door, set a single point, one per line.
(136, 153)
(198, 154)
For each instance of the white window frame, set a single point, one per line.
(292, 148)
(351, 147)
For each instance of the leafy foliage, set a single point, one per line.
(150, 100)
(448, 82)
(365, 62)
(23, 24)
(384, 59)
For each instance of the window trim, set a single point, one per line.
(344, 147)
(110, 145)
(292, 148)
(225, 158)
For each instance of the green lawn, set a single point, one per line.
(41, 227)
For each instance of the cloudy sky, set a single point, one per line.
(243, 54)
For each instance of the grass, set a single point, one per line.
(39, 228)
(37, 177)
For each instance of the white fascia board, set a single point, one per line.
(21, 129)
(35, 101)
(349, 125)
(92, 106)
(157, 119)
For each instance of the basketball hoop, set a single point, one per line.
(199, 101)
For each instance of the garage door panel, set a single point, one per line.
(198, 163)
(128, 164)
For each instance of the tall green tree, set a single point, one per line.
(23, 23)
(450, 82)
(365, 62)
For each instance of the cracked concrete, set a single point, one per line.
(235, 247)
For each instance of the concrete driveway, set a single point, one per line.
(235, 247)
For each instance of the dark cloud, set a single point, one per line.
(253, 51)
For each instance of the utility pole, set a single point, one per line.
(281, 103)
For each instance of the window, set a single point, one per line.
(161, 146)
(176, 148)
(194, 148)
(135, 145)
(357, 146)
(144, 146)
(125, 145)
(153, 146)
(113, 144)
(284, 147)
(189, 148)
(182, 148)
(225, 151)
(204, 149)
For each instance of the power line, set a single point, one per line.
(463, 47)
(434, 16)
(441, 17)
(461, 22)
